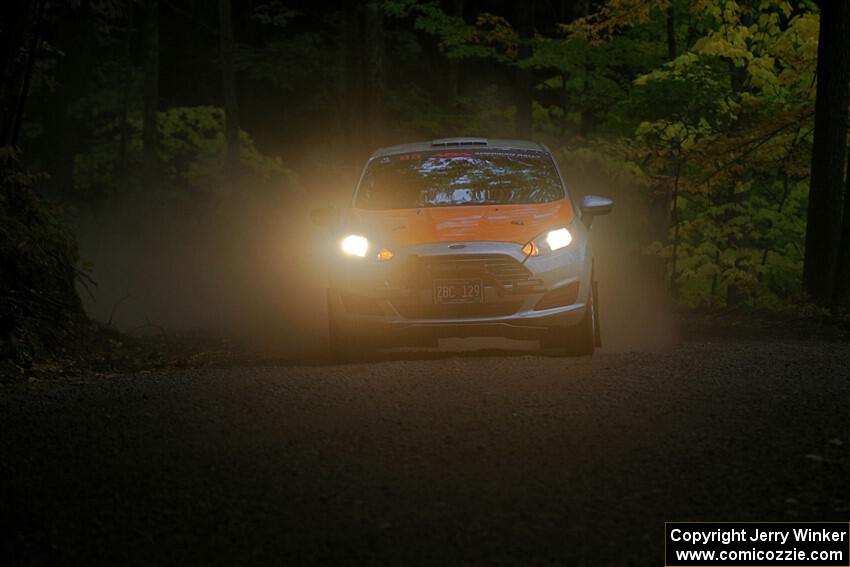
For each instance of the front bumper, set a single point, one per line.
(393, 301)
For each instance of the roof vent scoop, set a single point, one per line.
(453, 142)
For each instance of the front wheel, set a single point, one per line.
(581, 339)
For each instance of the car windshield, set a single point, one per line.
(456, 178)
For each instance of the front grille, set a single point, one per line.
(456, 310)
(498, 271)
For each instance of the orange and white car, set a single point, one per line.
(462, 237)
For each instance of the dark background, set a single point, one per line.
(186, 141)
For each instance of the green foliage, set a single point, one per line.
(725, 128)
(40, 312)
(191, 154)
(490, 37)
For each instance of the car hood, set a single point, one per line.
(485, 223)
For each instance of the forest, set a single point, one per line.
(199, 128)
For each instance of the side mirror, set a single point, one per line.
(594, 206)
(327, 217)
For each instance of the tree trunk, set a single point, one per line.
(150, 132)
(786, 190)
(670, 203)
(587, 119)
(674, 221)
(671, 32)
(565, 93)
(823, 229)
(228, 77)
(842, 273)
(452, 89)
(124, 128)
(32, 51)
(352, 95)
(525, 75)
(16, 25)
(375, 78)
(65, 133)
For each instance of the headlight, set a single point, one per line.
(558, 238)
(548, 242)
(355, 245)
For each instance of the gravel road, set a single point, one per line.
(496, 460)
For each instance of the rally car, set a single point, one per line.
(462, 237)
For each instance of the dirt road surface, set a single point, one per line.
(502, 459)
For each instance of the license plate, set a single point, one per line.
(458, 291)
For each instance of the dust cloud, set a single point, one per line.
(635, 310)
(251, 266)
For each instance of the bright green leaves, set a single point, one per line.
(726, 126)
(191, 156)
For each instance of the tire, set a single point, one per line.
(346, 347)
(597, 330)
(581, 339)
